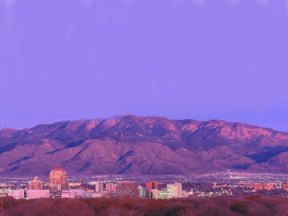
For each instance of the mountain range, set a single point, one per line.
(142, 145)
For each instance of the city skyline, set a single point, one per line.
(143, 107)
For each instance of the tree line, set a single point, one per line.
(220, 206)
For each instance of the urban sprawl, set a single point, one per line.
(229, 183)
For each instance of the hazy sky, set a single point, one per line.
(200, 59)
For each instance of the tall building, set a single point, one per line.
(179, 190)
(58, 179)
(150, 187)
(35, 184)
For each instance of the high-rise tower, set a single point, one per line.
(58, 179)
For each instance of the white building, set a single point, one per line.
(98, 195)
(17, 194)
(154, 193)
(174, 190)
(70, 194)
(37, 194)
(179, 191)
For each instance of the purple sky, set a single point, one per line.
(200, 59)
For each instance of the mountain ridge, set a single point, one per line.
(142, 145)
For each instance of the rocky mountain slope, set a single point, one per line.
(142, 145)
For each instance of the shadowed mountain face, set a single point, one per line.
(142, 145)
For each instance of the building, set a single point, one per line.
(268, 186)
(257, 187)
(171, 189)
(149, 187)
(70, 194)
(263, 186)
(35, 184)
(162, 194)
(17, 194)
(74, 184)
(110, 187)
(4, 192)
(154, 193)
(37, 194)
(179, 191)
(127, 188)
(98, 195)
(142, 191)
(99, 186)
(58, 180)
(284, 186)
(174, 190)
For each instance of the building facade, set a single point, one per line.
(127, 189)
(35, 184)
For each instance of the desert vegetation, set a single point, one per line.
(221, 206)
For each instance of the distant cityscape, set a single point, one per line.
(59, 185)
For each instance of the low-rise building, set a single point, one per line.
(37, 194)
(163, 194)
(142, 191)
(127, 188)
(17, 194)
(70, 194)
(110, 187)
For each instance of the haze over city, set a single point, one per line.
(87, 59)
